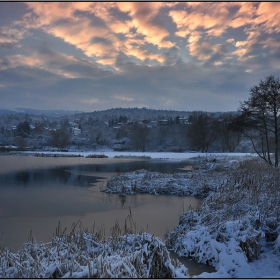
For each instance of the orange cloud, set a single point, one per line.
(144, 54)
(143, 19)
(213, 17)
(269, 14)
(100, 31)
(17, 60)
(10, 36)
(50, 12)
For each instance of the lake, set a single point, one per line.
(37, 192)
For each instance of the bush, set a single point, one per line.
(96, 156)
(234, 221)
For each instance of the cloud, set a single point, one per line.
(10, 37)
(211, 17)
(14, 61)
(144, 19)
(123, 98)
(190, 55)
(59, 64)
(78, 25)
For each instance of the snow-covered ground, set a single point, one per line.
(153, 155)
(237, 228)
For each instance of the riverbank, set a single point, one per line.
(84, 254)
(236, 229)
(115, 154)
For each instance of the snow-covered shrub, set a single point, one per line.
(85, 255)
(234, 221)
(183, 184)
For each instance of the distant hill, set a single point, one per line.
(50, 113)
(135, 113)
(6, 112)
(138, 113)
(132, 113)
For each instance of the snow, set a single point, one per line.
(153, 155)
(183, 184)
(237, 228)
(85, 255)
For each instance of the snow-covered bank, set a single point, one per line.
(153, 155)
(237, 228)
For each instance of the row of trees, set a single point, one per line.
(205, 129)
(204, 132)
(257, 120)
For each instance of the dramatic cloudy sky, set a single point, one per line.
(101, 55)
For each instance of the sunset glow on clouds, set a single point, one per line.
(97, 55)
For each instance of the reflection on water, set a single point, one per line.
(194, 268)
(36, 199)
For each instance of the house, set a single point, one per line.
(76, 131)
(183, 120)
(163, 122)
(145, 121)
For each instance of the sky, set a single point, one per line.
(159, 55)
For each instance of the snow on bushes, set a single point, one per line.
(235, 222)
(87, 255)
(81, 256)
(183, 184)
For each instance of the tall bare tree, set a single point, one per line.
(139, 136)
(201, 131)
(227, 138)
(259, 119)
(59, 138)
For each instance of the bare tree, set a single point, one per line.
(227, 138)
(59, 138)
(259, 119)
(139, 136)
(201, 131)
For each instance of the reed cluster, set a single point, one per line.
(241, 213)
(84, 253)
(198, 183)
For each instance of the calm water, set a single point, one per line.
(37, 193)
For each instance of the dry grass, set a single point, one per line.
(246, 206)
(84, 253)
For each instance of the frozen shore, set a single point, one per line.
(236, 229)
(152, 155)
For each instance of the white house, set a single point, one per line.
(76, 131)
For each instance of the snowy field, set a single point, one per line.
(153, 155)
